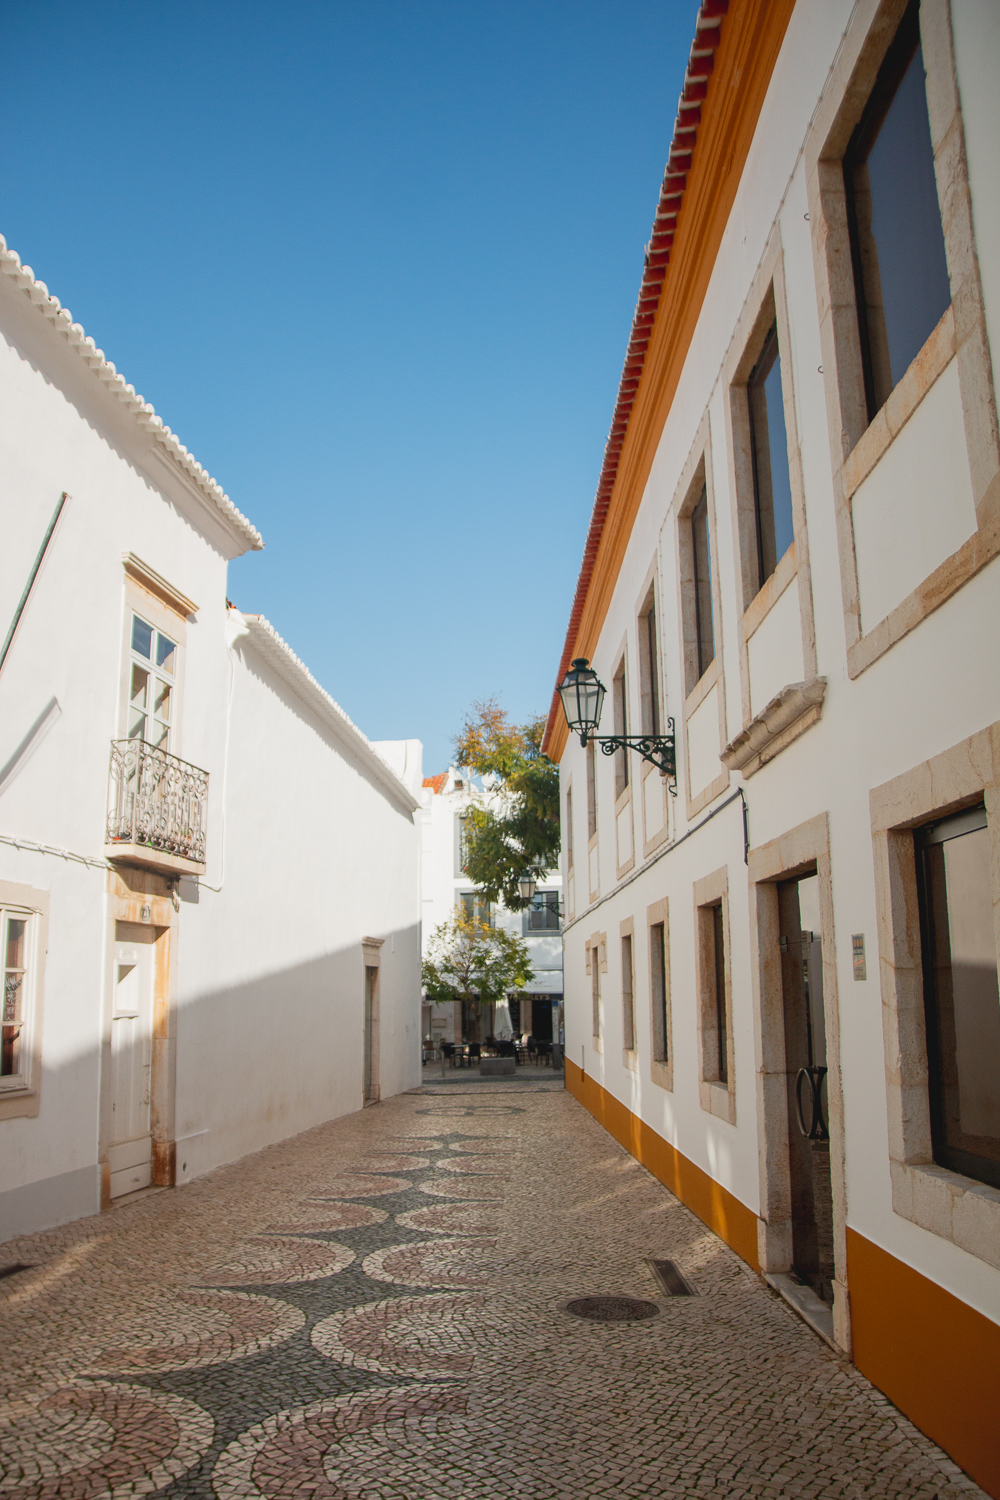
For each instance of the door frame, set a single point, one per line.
(796, 853)
(143, 898)
(371, 958)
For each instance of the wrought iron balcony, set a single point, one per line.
(156, 809)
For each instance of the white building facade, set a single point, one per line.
(781, 982)
(223, 949)
(537, 1009)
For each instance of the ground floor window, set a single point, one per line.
(15, 944)
(961, 993)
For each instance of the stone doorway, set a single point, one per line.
(806, 1071)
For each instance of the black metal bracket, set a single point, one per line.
(658, 749)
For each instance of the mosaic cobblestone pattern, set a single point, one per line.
(375, 1311)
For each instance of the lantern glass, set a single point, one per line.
(526, 886)
(582, 693)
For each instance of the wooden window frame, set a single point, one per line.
(661, 1051)
(717, 1095)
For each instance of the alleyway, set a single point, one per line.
(374, 1310)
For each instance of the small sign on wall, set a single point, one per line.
(858, 950)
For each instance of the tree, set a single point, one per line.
(469, 960)
(520, 830)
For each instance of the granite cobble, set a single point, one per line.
(375, 1310)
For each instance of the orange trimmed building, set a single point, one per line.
(781, 965)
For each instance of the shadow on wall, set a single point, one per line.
(254, 1062)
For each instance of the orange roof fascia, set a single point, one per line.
(750, 39)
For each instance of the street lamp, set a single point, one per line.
(526, 885)
(582, 693)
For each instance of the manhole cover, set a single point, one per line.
(612, 1309)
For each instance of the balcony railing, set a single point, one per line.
(157, 802)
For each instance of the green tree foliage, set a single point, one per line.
(521, 830)
(469, 960)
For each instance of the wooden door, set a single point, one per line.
(130, 1146)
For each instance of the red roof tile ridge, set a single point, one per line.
(708, 29)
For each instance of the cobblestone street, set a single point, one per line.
(375, 1310)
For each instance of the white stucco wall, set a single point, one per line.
(930, 691)
(312, 839)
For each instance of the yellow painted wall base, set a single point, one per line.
(935, 1357)
(731, 1220)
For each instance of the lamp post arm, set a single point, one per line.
(658, 749)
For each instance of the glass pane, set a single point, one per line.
(137, 725)
(140, 686)
(906, 223)
(159, 734)
(166, 653)
(963, 1003)
(719, 951)
(702, 558)
(142, 637)
(16, 929)
(161, 701)
(772, 484)
(897, 242)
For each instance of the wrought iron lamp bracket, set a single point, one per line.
(658, 749)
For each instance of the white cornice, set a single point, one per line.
(142, 412)
(280, 656)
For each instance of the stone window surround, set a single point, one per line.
(630, 1055)
(651, 591)
(623, 799)
(661, 1073)
(945, 1203)
(597, 944)
(794, 853)
(697, 471)
(593, 864)
(715, 1097)
(767, 304)
(25, 1102)
(157, 602)
(856, 445)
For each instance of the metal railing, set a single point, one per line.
(157, 800)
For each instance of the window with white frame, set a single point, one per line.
(16, 934)
(152, 682)
(543, 913)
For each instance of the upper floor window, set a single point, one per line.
(543, 913)
(649, 669)
(475, 907)
(15, 935)
(463, 842)
(152, 684)
(772, 483)
(961, 993)
(620, 706)
(591, 789)
(701, 557)
(569, 829)
(894, 219)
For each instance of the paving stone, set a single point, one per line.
(375, 1311)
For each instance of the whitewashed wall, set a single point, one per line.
(927, 693)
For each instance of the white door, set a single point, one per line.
(130, 1147)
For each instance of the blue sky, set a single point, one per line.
(375, 263)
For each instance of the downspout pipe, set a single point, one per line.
(31, 578)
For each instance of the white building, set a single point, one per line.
(794, 557)
(189, 959)
(536, 1011)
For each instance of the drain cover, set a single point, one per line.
(612, 1309)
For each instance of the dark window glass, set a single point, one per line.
(591, 790)
(621, 727)
(543, 913)
(653, 672)
(142, 637)
(702, 561)
(961, 994)
(658, 987)
(475, 908)
(628, 1005)
(569, 830)
(769, 443)
(897, 243)
(719, 954)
